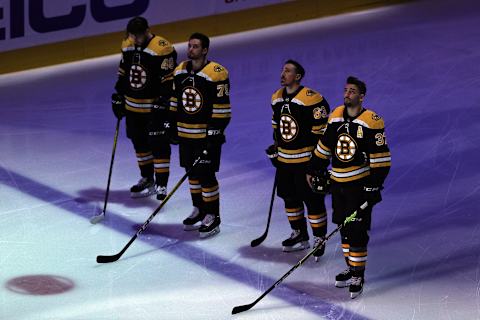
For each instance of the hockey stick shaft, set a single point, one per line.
(246, 307)
(107, 259)
(107, 192)
(262, 238)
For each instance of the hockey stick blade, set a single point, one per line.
(258, 241)
(108, 259)
(243, 308)
(96, 219)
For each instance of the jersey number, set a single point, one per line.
(168, 64)
(381, 139)
(222, 89)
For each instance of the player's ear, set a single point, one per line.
(362, 96)
(205, 51)
(298, 77)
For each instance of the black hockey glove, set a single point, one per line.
(372, 195)
(118, 105)
(272, 154)
(215, 137)
(321, 181)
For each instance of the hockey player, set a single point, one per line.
(299, 116)
(202, 105)
(143, 90)
(355, 143)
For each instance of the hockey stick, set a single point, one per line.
(246, 307)
(97, 218)
(115, 257)
(259, 240)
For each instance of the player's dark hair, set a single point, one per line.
(298, 67)
(137, 25)
(203, 39)
(362, 87)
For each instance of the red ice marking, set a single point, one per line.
(40, 285)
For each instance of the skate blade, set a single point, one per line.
(297, 247)
(136, 195)
(209, 234)
(191, 227)
(342, 284)
(317, 259)
(97, 219)
(353, 295)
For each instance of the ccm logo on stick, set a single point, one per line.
(42, 24)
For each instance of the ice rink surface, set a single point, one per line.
(421, 63)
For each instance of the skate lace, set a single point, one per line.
(194, 213)
(142, 181)
(161, 189)
(356, 281)
(317, 241)
(345, 272)
(208, 220)
(294, 234)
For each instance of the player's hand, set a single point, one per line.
(118, 105)
(309, 180)
(372, 194)
(272, 154)
(320, 182)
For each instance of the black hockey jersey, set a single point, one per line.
(146, 73)
(201, 100)
(298, 119)
(356, 146)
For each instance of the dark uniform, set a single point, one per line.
(145, 79)
(202, 105)
(298, 120)
(360, 158)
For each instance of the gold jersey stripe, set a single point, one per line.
(137, 110)
(192, 125)
(380, 155)
(221, 106)
(221, 115)
(380, 164)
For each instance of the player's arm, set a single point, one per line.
(319, 118)
(379, 159)
(167, 64)
(122, 81)
(221, 111)
(271, 151)
(172, 112)
(322, 153)
(118, 99)
(317, 173)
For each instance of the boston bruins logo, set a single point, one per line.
(138, 77)
(288, 127)
(346, 148)
(192, 100)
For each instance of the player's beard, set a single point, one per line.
(347, 103)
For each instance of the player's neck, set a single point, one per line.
(292, 88)
(198, 64)
(354, 111)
